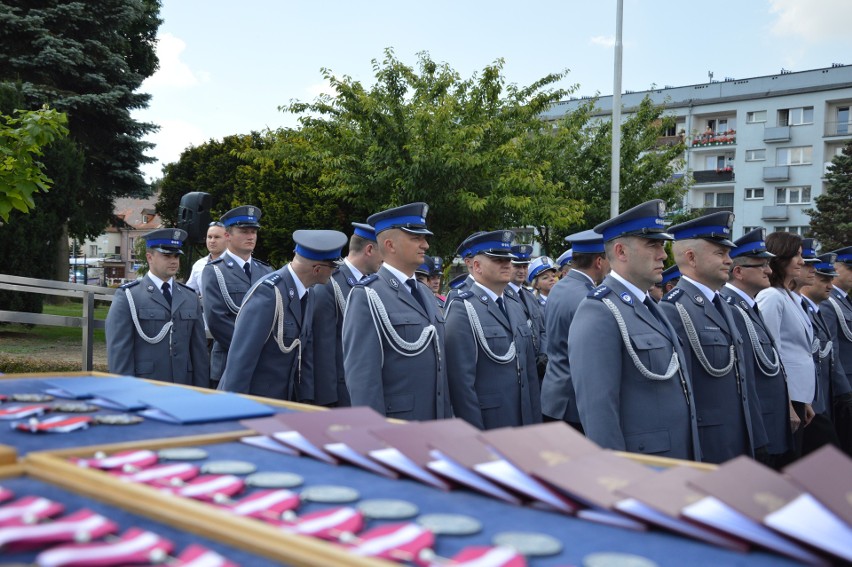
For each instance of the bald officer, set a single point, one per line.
(227, 279)
(632, 393)
(271, 352)
(329, 302)
(393, 333)
(154, 327)
(588, 269)
(714, 346)
(490, 355)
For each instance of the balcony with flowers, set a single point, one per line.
(713, 139)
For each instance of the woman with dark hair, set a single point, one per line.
(790, 326)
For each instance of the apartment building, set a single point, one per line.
(758, 147)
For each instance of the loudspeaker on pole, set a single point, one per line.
(194, 215)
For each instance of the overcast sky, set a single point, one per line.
(226, 66)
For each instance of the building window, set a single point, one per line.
(796, 116)
(755, 155)
(747, 229)
(792, 195)
(755, 117)
(754, 193)
(794, 156)
(842, 120)
(144, 219)
(800, 230)
(118, 250)
(713, 199)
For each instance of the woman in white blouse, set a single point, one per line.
(790, 326)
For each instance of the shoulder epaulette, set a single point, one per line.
(673, 295)
(464, 294)
(272, 280)
(599, 292)
(129, 284)
(187, 287)
(369, 279)
(261, 262)
(217, 260)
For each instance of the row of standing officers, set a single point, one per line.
(696, 376)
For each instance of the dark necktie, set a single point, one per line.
(303, 302)
(502, 307)
(755, 309)
(412, 284)
(247, 269)
(167, 292)
(717, 302)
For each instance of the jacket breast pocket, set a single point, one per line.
(408, 326)
(653, 350)
(399, 404)
(496, 337)
(649, 442)
(188, 315)
(153, 314)
(716, 348)
(490, 401)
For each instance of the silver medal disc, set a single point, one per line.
(274, 480)
(73, 407)
(612, 559)
(387, 509)
(117, 419)
(228, 467)
(450, 524)
(330, 494)
(530, 544)
(182, 454)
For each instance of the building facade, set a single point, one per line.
(758, 147)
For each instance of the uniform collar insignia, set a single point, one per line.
(744, 304)
(483, 298)
(230, 264)
(626, 298)
(394, 284)
(508, 291)
(291, 292)
(699, 299)
(150, 288)
(350, 280)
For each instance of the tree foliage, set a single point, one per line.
(831, 220)
(87, 59)
(22, 139)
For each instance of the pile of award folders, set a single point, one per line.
(804, 513)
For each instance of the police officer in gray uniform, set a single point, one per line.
(462, 282)
(768, 388)
(227, 279)
(490, 356)
(154, 327)
(329, 302)
(529, 304)
(632, 392)
(714, 346)
(589, 267)
(393, 334)
(272, 349)
(837, 313)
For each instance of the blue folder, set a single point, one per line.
(185, 407)
(85, 387)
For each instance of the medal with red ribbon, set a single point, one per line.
(135, 546)
(54, 424)
(20, 412)
(171, 474)
(81, 526)
(273, 506)
(29, 510)
(481, 556)
(330, 524)
(401, 541)
(128, 461)
(209, 488)
(198, 556)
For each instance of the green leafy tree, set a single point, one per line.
(426, 134)
(22, 139)
(831, 221)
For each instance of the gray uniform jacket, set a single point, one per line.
(180, 357)
(837, 313)
(329, 381)
(557, 390)
(831, 378)
(220, 318)
(770, 407)
(377, 375)
(722, 404)
(620, 407)
(256, 364)
(535, 314)
(454, 292)
(486, 393)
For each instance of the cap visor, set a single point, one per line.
(499, 254)
(411, 230)
(168, 250)
(652, 235)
